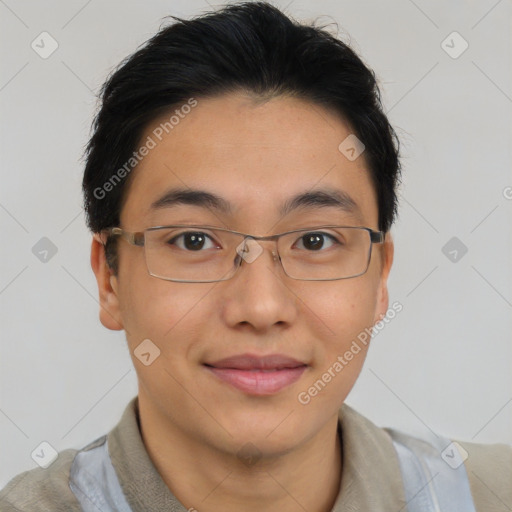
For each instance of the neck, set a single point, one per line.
(203, 478)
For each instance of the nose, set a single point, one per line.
(258, 293)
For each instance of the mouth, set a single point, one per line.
(253, 375)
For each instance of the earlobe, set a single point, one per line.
(110, 313)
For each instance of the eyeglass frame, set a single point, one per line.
(138, 239)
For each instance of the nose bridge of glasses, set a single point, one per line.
(252, 247)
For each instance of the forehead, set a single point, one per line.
(256, 157)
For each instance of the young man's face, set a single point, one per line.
(256, 157)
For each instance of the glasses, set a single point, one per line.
(205, 254)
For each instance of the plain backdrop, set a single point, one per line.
(444, 362)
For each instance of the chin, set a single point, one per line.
(276, 430)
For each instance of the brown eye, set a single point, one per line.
(191, 240)
(315, 241)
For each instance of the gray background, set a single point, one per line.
(444, 362)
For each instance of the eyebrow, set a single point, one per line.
(318, 198)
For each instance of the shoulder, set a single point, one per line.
(489, 469)
(486, 469)
(42, 490)
(483, 470)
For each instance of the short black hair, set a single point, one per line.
(249, 47)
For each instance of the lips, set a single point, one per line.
(250, 362)
(254, 375)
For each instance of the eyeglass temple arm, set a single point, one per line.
(376, 237)
(132, 238)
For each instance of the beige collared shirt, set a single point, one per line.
(371, 480)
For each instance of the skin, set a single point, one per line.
(255, 155)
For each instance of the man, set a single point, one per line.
(240, 186)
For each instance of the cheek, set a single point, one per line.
(162, 311)
(346, 308)
(345, 313)
(170, 315)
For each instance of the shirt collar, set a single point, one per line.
(370, 481)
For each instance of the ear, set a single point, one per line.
(386, 254)
(110, 315)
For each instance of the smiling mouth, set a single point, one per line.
(258, 375)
